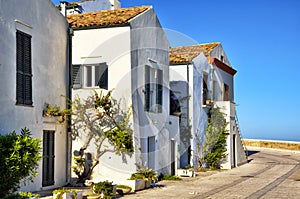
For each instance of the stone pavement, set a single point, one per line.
(269, 174)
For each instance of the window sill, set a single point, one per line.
(24, 105)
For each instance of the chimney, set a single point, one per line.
(63, 9)
(114, 4)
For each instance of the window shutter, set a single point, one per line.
(24, 73)
(103, 74)
(76, 76)
(147, 88)
(159, 90)
(45, 159)
(48, 158)
(51, 157)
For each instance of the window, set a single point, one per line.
(90, 76)
(215, 91)
(222, 58)
(225, 92)
(48, 158)
(24, 73)
(205, 92)
(153, 89)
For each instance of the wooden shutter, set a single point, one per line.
(48, 158)
(76, 76)
(24, 73)
(147, 88)
(159, 90)
(103, 71)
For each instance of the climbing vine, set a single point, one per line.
(99, 119)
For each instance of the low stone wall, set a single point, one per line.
(285, 145)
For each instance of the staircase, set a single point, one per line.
(238, 131)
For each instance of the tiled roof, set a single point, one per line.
(105, 18)
(185, 54)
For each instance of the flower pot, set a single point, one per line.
(147, 184)
(185, 172)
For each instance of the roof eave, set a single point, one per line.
(180, 63)
(223, 66)
(100, 27)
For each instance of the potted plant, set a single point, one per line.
(188, 171)
(123, 189)
(28, 195)
(67, 194)
(137, 181)
(106, 189)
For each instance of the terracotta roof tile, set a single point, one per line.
(185, 54)
(105, 18)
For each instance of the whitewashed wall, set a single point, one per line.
(50, 74)
(149, 42)
(193, 113)
(217, 52)
(112, 46)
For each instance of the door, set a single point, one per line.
(48, 158)
(173, 157)
(234, 150)
(151, 152)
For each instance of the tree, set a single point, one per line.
(99, 118)
(19, 156)
(214, 147)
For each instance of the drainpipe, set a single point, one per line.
(69, 130)
(188, 108)
(211, 91)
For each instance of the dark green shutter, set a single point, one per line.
(24, 73)
(159, 90)
(147, 88)
(48, 158)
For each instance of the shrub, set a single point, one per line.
(170, 177)
(104, 187)
(19, 155)
(62, 191)
(22, 195)
(216, 135)
(144, 174)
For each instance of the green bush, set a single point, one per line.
(144, 174)
(170, 177)
(216, 135)
(104, 187)
(22, 195)
(19, 156)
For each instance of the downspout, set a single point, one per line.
(211, 91)
(69, 97)
(188, 108)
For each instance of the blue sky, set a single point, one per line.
(262, 41)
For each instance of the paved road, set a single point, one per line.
(270, 174)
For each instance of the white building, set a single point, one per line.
(68, 8)
(34, 71)
(199, 75)
(127, 50)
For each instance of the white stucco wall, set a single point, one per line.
(197, 118)
(236, 154)
(149, 42)
(217, 52)
(112, 46)
(49, 70)
(127, 50)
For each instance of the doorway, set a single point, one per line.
(151, 152)
(48, 158)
